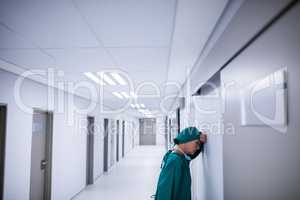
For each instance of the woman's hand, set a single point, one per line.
(203, 138)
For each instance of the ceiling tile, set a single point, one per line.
(29, 58)
(129, 23)
(157, 77)
(140, 58)
(81, 60)
(9, 39)
(55, 23)
(135, 33)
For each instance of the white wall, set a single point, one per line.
(69, 140)
(160, 131)
(98, 147)
(261, 162)
(136, 130)
(207, 169)
(18, 143)
(120, 139)
(250, 17)
(209, 184)
(257, 163)
(128, 136)
(111, 142)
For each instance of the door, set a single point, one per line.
(170, 132)
(2, 147)
(166, 133)
(123, 138)
(118, 125)
(105, 156)
(178, 119)
(90, 151)
(41, 153)
(147, 131)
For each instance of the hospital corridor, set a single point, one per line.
(132, 178)
(149, 99)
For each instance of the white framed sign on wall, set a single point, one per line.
(264, 102)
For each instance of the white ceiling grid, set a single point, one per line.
(140, 37)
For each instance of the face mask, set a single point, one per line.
(187, 157)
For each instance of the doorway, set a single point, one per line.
(41, 155)
(90, 151)
(2, 147)
(105, 156)
(147, 131)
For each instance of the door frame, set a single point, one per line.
(118, 133)
(48, 151)
(90, 150)
(3, 155)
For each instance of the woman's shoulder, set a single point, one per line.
(174, 158)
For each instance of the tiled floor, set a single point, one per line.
(133, 178)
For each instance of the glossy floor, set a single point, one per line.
(133, 178)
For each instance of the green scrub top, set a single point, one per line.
(174, 182)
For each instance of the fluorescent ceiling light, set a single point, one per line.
(94, 78)
(146, 112)
(118, 78)
(140, 107)
(107, 79)
(117, 94)
(150, 116)
(125, 95)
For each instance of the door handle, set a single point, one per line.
(43, 164)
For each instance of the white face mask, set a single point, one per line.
(187, 157)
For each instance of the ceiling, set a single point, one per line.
(152, 41)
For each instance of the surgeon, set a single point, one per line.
(175, 179)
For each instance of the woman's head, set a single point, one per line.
(187, 135)
(190, 147)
